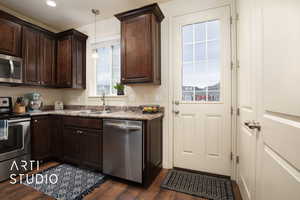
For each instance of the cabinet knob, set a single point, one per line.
(35, 121)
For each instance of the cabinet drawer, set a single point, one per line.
(89, 123)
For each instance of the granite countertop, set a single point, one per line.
(114, 115)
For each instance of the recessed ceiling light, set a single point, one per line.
(51, 3)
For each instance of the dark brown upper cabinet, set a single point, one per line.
(10, 37)
(141, 45)
(47, 60)
(38, 57)
(31, 56)
(71, 59)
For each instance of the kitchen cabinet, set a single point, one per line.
(31, 56)
(38, 57)
(91, 149)
(10, 37)
(82, 141)
(71, 141)
(71, 59)
(56, 138)
(47, 60)
(56, 60)
(40, 138)
(79, 141)
(141, 45)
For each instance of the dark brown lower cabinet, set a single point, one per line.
(56, 138)
(40, 138)
(91, 149)
(83, 147)
(153, 150)
(71, 147)
(78, 140)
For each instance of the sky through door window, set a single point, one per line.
(201, 62)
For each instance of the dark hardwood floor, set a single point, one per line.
(110, 190)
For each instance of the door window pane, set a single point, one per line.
(201, 62)
(187, 52)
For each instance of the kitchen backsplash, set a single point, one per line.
(49, 95)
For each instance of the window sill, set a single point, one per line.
(111, 97)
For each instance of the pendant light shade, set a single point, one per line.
(95, 52)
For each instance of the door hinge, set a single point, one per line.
(235, 18)
(231, 65)
(237, 159)
(238, 111)
(238, 64)
(231, 156)
(231, 110)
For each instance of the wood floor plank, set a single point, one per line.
(110, 190)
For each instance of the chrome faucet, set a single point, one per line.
(103, 102)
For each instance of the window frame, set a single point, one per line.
(100, 44)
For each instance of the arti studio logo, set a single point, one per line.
(17, 169)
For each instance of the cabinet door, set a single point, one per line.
(79, 49)
(91, 151)
(47, 60)
(31, 56)
(56, 138)
(64, 62)
(71, 147)
(10, 37)
(40, 138)
(136, 50)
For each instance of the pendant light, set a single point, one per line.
(95, 52)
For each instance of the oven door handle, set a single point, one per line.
(19, 120)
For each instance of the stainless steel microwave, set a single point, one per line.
(10, 69)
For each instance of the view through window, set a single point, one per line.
(107, 69)
(201, 62)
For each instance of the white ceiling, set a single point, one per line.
(72, 13)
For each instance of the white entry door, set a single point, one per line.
(269, 71)
(279, 111)
(202, 91)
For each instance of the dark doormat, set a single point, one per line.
(73, 183)
(200, 185)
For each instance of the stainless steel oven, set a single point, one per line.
(10, 69)
(16, 147)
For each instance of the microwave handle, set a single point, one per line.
(12, 68)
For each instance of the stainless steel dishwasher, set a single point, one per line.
(123, 149)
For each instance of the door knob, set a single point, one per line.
(176, 112)
(176, 102)
(253, 125)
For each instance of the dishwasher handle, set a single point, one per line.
(123, 126)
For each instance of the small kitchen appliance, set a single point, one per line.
(16, 146)
(58, 105)
(34, 102)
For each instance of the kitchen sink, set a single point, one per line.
(93, 112)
